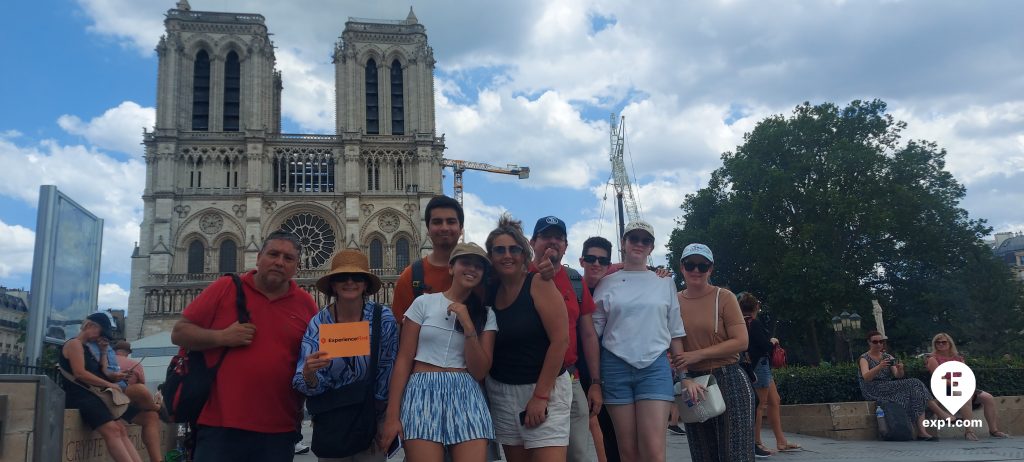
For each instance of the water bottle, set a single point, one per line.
(880, 417)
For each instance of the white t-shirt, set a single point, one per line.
(637, 315)
(439, 343)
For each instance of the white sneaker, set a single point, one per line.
(301, 448)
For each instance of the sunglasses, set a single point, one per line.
(941, 342)
(509, 249)
(603, 261)
(349, 277)
(878, 342)
(701, 267)
(634, 239)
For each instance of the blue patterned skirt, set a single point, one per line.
(445, 407)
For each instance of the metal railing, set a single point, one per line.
(15, 366)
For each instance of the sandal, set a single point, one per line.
(789, 447)
(970, 436)
(998, 434)
(764, 448)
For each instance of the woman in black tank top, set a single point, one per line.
(78, 362)
(533, 335)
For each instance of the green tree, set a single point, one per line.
(822, 211)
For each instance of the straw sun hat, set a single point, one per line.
(349, 261)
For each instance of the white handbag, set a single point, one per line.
(711, 406)
(691, 411)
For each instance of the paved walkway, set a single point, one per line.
(946, 450)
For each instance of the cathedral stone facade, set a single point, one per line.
(220, 175)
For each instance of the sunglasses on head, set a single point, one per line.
(603, 261)
(701, 267)
(349, 277)
(878, 342)
(510, 249)
(634, 239)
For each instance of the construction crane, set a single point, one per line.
(460, 166)
(620, 179)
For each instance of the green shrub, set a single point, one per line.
(838, 382)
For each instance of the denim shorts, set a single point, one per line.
(625, 384)
(763, 372)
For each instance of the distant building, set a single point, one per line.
(13, 314)
(1009, 247)
(220, 174)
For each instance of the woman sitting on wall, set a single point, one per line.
(944, 349)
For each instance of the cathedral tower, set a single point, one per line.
(220, 175)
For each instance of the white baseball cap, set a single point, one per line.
(641, 225)
(698, 249)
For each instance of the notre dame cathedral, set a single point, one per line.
(220, 175)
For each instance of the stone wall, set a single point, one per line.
(84, 445)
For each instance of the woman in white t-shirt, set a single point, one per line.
(445, 350)
(638, 320)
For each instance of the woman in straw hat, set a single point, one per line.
(447, 339)
(348, 286)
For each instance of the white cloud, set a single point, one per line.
(16, 248)
(109, 188)
(118, 129)
(481, 218)
(112, 296)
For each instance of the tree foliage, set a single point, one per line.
(827, 209)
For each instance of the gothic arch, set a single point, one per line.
(198, 42)
(406, 225)
(371, 52)
(233, 43)
(191, 226)
(394, 53)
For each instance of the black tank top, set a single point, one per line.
(521, 342)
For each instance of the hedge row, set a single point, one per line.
(838, 382)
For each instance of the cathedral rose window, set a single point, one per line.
(315, 235)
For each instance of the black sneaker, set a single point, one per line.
(676, 430)
(761, 453)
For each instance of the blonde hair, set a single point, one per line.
(945, 336)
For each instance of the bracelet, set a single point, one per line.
(471, 336)
(596, 381)
(542, 398)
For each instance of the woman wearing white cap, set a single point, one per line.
(348, 284)
(716, 334)
(447, 340)
(638, 320)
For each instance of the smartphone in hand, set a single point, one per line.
(392, 450)
(522, 416)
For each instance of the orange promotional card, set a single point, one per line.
(345, 339)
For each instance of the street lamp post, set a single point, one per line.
(847, 327)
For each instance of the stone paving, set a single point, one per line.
(945, 450)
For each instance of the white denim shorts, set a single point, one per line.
(507, 401)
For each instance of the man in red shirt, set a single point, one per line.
(549, 244)
(252, 412)
(444, 219)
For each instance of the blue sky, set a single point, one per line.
(530, 83)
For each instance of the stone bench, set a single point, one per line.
(84, 445)
(856, 420)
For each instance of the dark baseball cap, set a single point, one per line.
(547, 222)
(106, 328)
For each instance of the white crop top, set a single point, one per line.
(439, 343)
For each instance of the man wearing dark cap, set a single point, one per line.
(253, 411)
(549, 243)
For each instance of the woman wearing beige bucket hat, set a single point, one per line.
(348, 286)
(447, 340)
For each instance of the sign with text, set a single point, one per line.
(953, 385)
(345, 339)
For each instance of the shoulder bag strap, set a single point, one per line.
(240, 308)
(374, 349)
(717, 294)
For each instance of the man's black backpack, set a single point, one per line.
(189, 380)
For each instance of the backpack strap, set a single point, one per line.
(717, 295)
(419, 287)
(577, 283)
